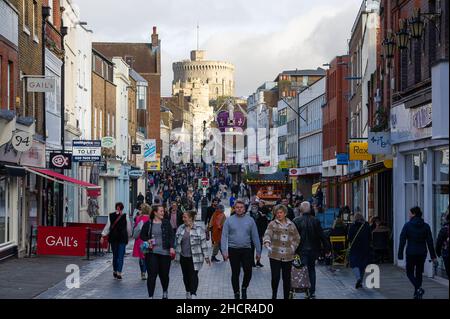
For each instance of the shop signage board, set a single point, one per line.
(136, 173)
(205, 182)
(410, 124)
(108, 142)
(342, 159)
(354, 166)
(62, 241)
(136, 149)
(86, 151)
(359, 151)
(153, 166)
(380, 143)
(294, 172)
(60, 160)
(22, 141)
(41, 85)
(150, 150)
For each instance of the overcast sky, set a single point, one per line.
(260, 37)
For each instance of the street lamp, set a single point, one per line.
(403, 35)
(417, 26)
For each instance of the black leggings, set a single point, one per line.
(190, 275)
(277, 266)
(157, 265)
(240, 257)
(415, 263)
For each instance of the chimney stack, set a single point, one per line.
(154, 38)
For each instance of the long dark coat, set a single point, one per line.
(360, 249)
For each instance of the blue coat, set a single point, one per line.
(418, 235)
(360, 249)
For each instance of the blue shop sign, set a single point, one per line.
(342, 159)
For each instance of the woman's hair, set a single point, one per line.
(191, 214)
(416, 211)
(339, 223)
(146, 209)
(280, 207)
(359, 217)
(119, 205)
(154, 210)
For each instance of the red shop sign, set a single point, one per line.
(63, 241)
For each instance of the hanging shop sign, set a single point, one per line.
(136, 149)
(294, 172)
(86, 151)
(153, 165)
(60, 160)
(108, 142)
(22, 141)
(40, 85)
(359, 151)
(150, 150)
(380, 143)
(62, 241)
(342, 159)
(136, 173)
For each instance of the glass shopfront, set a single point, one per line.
(440, 194)
(414, 189)
(5, 218)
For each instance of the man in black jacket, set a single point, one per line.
(211, 209)
(290, 213)
(418, 235)
(313, 240)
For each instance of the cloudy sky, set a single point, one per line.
(260, 37)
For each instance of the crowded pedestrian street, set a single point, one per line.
(225, 150)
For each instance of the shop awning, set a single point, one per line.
(93, 190)
(365, 175)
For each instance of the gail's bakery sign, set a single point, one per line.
(63, 241)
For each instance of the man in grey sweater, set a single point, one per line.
(239, 231)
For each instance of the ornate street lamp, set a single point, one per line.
(46, 12)
(389, 46)
(403, 35)
(417, 25)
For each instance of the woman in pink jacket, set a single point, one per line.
(141, 219)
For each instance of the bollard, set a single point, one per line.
(88, 243)
(31, 241)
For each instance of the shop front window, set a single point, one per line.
(3, 212)
(440, 193)
(414, 189)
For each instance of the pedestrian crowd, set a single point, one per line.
(165, 228)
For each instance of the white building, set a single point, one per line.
(122, 82)
(260, 119)
(77, 101)
(310, 103)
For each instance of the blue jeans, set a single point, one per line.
(308, 258)
(118, 250)
(142, 265)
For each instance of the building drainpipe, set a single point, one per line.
(63, 101)
(45, 15)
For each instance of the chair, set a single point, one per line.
(380, 242)
(338, 247)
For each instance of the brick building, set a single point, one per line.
(415, 103)
(144, 58)
(104, 124)
(335, 132)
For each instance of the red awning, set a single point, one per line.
(93, 190)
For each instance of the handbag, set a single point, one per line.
(137, 229)
(145, 246)
(106, 238)
(347, 251)
(300, 281)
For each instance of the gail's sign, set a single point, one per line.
(63, 241)
(41, 85)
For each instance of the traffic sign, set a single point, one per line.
(205, 182)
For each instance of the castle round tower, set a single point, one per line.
(218, 75)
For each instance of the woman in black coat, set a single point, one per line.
(359, 239)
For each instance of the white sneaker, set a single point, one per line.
(193, 297)
(188, 295)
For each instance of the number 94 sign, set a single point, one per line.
(22, 141)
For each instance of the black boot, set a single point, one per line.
(244, 293)
(237, 296)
